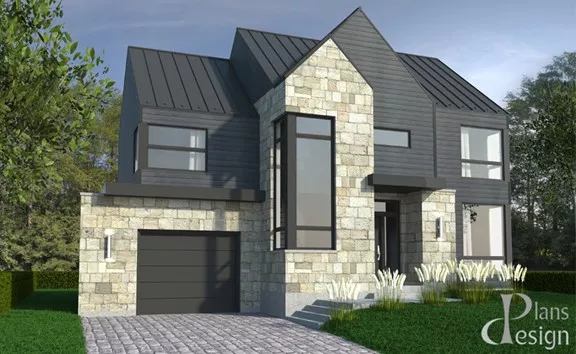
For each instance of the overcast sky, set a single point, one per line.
(491, 43)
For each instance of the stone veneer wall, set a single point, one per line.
(418, 213)
(109, 287)
(325, 84)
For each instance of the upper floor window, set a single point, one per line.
(176, 148)
(136, 147)
(481, 153)
(391, 137)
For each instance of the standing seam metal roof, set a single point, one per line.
(185, 81)
(446, 87)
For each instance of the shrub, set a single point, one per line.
(475, 292)
(14, 286)
(553, 281)
(389, 289)
(342, 294)
(433, 276)
(55, 280)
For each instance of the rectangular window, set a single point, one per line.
(135, 147)
(280, 185)
(481, 152)
(314, 183)
(391, 137)
(304, 161)
(176, 148)
(483, 231)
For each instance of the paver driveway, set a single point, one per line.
(208, 333)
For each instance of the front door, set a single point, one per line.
(387, 233)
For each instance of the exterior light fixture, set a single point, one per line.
(108, 243)
(439, 227)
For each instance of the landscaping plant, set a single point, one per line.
(433, 276)
(389, 289)
(342, 294)
(472, 276)
(515, 274)
(452, 284)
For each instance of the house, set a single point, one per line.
(248, 183)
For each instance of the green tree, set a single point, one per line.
(50, 92)
(542, 149)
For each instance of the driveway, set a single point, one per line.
(208, 333)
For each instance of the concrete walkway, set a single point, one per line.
(208, 333)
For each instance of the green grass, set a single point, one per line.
(453, 327)
(44, 322)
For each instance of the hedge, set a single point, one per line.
(14, 286)
(55, 280)
(554, 281)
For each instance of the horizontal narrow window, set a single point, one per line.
(177, 160)
(391, 137)
(483, 231)
(313, 126)
(179, 137)
(481, 153)
(314, 239)
(176, 148)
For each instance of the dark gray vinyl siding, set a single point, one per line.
(129, 118)
(232, 150)
(470, 190)
(399, 101)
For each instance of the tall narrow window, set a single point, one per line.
(176, 148)
(481, 153)
(483, 231)
(304, 183)
(135, 147)
(280, 184)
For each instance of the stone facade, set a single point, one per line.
(325, 84)
(108, 286)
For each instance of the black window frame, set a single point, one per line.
(408, 132)
(290, 190)
(484, 162)
(177, 148)
(504, 257)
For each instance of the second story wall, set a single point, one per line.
(129, 118)
(232, 150)
(399, 101)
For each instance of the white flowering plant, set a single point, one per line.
(389, 289)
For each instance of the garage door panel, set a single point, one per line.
(187, 272)
(178, 242)
(184, 274)
(184, 258)
(161, 306)
(220, 290)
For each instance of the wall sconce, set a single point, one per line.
(108, 243)
(439, 227)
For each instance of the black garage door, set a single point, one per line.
(187, 272)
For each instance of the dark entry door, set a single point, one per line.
(187, 272)
(387, 232)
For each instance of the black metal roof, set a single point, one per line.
(185, 81)
(277, 51)
(445, 87)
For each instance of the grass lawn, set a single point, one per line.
(455, 327)
(44, 322)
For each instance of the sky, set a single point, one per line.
(491, 43)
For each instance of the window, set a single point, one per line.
(391, 137)
(176, 148)
(135, 147)
(481, 153)
(304, 160)
(483, 231)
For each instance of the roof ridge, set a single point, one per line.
(418, 55)
(177, 52)
(276, 33)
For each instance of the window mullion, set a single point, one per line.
(291, 190)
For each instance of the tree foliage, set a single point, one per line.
(50, 92)
(543, 157)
